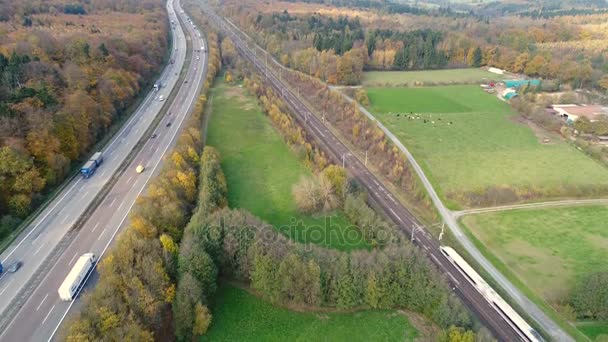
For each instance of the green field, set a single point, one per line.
(593, 329)
(261, 170)
(409, 78)
(549, 250)
(483, 146)
(240, 316)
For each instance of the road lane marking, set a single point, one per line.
(71, 260)
(95, 227)
(41, 220)
(112, 203)
(6, 287)
(48, 314)
(120, 206)
(63, 220)
(129, 180)
(39, 248)
(86, 193)
(100, 235)
(42, 302)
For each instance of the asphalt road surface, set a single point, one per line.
(383, 197)
(42, 311)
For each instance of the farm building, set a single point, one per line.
(572, 112)
(521, 83)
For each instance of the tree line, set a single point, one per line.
(567, 48)
(364, 135)
(62, 89)
(138, 279)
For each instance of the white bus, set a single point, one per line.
(75, 279)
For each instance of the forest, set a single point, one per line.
(68, 72)
(568, 48)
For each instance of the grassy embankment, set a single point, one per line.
(471, 141)
(261, 170)
(547, 251)
(240, 316)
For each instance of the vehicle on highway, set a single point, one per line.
(168, 124)
(156, 86)
(523, 329)
(185, 81)
(153, 136)
(197, 58)
(88, 169)
(14, 267)
(1, 268)
(75, 279)
(161, 98)
(140, 168)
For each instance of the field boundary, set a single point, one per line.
(540, 316)
(535, 205)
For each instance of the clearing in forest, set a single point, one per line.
(240, 316)
(427, 77)
(261, 170)
(476, 154)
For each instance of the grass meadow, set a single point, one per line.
(468, 141)
(411, 78)
(240, 316)
(261, 170)
(549, 250)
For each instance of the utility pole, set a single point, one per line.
(414, 228)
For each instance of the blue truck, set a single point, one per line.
(91, 165)
(1, 268)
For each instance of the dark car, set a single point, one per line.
(153, 135)
(169, 124)
(14, 267)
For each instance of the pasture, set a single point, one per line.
(549, 250)
(240, 316)
(469, 141)
(427, 77)
(261, 170)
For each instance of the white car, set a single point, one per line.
(161, 98)
(140, 168)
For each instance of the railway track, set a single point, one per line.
(393, 209)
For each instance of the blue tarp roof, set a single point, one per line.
(521, 83)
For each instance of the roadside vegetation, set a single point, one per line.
(67, 73)
(448, 130)
(242, 316)
(562, 259)
(137, 284)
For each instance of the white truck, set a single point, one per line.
(75, 279)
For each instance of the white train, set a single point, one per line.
(523, 329)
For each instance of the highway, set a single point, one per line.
(40, 312)
(37, 242)
(393, 209)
